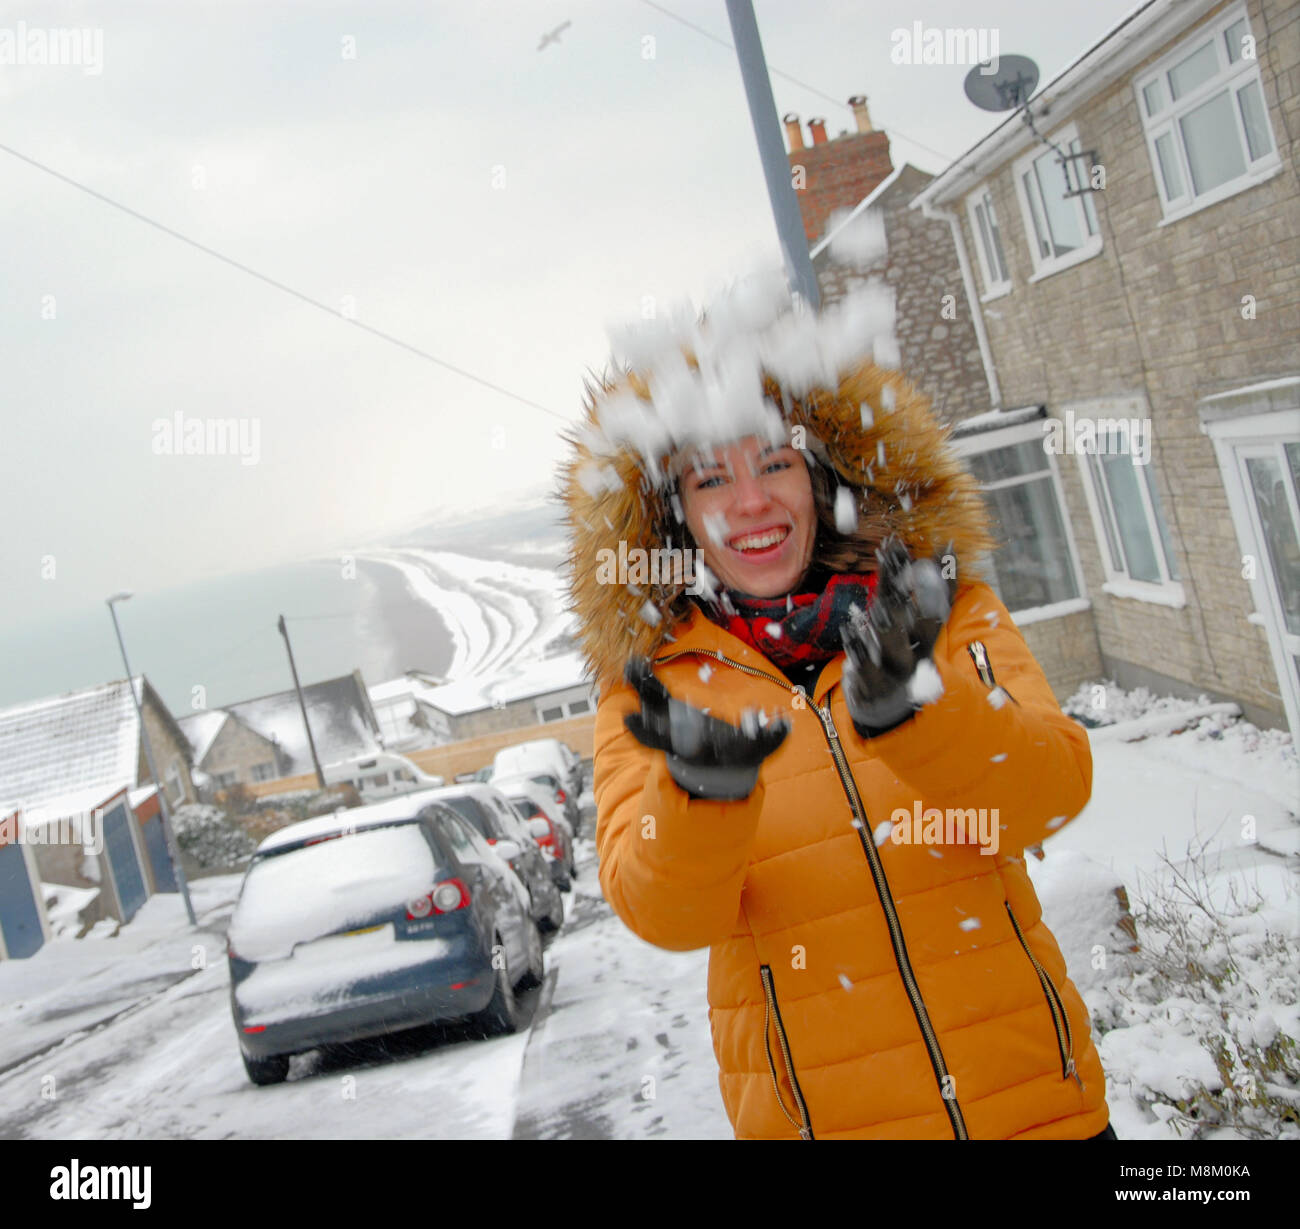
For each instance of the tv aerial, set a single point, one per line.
(1009, 88)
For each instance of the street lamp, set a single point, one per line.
(153, 771)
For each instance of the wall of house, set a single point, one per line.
(236, 748)
(940, 355)
(167, 751)
(1167, 326)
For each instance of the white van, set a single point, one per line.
(379, 775)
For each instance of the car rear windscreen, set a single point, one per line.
(468, 808)
(335, 884)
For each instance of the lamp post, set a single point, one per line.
(771, 151)
(164, 812)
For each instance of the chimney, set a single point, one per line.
(859, 104)
(793, 132)
(818, 129)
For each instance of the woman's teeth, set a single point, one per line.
(759, 541)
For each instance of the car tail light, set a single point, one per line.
(447, 897)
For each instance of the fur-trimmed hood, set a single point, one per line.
(875, 430)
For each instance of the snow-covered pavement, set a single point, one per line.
(125, 1037)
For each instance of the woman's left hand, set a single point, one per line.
(885, 646)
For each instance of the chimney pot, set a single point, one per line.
(859, 104)
(818, 129)
(793, 132)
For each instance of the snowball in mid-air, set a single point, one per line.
(925, 686)
(846, 510)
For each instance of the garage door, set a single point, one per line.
(128, 877)
(20, 919)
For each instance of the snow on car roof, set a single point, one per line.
(407, 806)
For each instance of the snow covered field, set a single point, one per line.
(495, 611)
(125, 1038)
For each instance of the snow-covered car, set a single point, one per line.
(544, 757)
(372, 920)
(491, 813)
(379, 775)
(536, 805)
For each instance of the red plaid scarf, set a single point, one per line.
(801, 628)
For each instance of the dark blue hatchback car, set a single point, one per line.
(372, 920)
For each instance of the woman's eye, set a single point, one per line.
(775, 465)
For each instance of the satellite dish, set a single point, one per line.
(1011, 86)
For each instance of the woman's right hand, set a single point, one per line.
(707, 757)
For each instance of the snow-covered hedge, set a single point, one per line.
(209, 836)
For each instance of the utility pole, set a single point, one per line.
(771, 149)
(311, 742)
(164, 812)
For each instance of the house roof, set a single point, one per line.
(520, 681)
(202, 729)
(342, 723)
(1126, 44)
(79, 743)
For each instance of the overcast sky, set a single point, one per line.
(421, 165)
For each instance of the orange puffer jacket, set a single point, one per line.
(878, 969)
(861, 987)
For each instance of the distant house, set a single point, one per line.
(514, 698)
(69, 766)
(263, 739)
(88, 742)
(407, 721)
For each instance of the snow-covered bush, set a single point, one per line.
(1205, 1034)
(209, 836)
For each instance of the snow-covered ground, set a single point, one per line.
(131, 1036)
(496, 612)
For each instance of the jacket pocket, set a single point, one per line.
(1055, 1004)
(772, 1021)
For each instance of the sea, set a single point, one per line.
(215, 642)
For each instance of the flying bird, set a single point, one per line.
(553, 36)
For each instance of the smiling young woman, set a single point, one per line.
(749, 506)
(753, 735)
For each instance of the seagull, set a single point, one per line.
(554, 35)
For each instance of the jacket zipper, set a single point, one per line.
(980, 656)
(1060, 1020)
(901, 957)
(772, 1012)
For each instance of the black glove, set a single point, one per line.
(707, 757)
(885, 646)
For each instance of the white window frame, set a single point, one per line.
(1165, 592)
(994, 286)
(1234, 77)
(1006, 437)
(1046, 266)
(1269, 415)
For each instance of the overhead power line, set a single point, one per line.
(279, 285)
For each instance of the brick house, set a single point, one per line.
(1155, 321)
(1137, 423)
